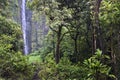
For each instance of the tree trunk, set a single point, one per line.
(97, 39)
(53, 43)
(57, 53)
(75, 38)
(75, 49)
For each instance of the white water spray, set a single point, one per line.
(24, 26)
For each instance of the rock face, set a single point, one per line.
(28, 28)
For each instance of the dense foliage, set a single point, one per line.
(68, 40)
(90, 69)
(13, 65)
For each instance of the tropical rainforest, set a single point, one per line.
(59, 39)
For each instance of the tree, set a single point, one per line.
(96, 70)
(12, 30)
(53, 9)
(13, 64)
(109, 17)
(96, 29)
(78, 23)
(3, 8)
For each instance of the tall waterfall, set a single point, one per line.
(24, 26)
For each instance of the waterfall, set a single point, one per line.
(24, 26)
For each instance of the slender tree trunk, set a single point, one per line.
(53, 43)
(97, 41)
(75, 49)
(76, 45)
(113, 58)
(94, 40)
(57, 53)
(87, 32)
(99, 34)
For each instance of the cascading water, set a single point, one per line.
(24, 26)
(26, 20)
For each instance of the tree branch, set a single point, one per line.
(53, 29)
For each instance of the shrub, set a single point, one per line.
(90, 69)
(95, 69)
(13, 65)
